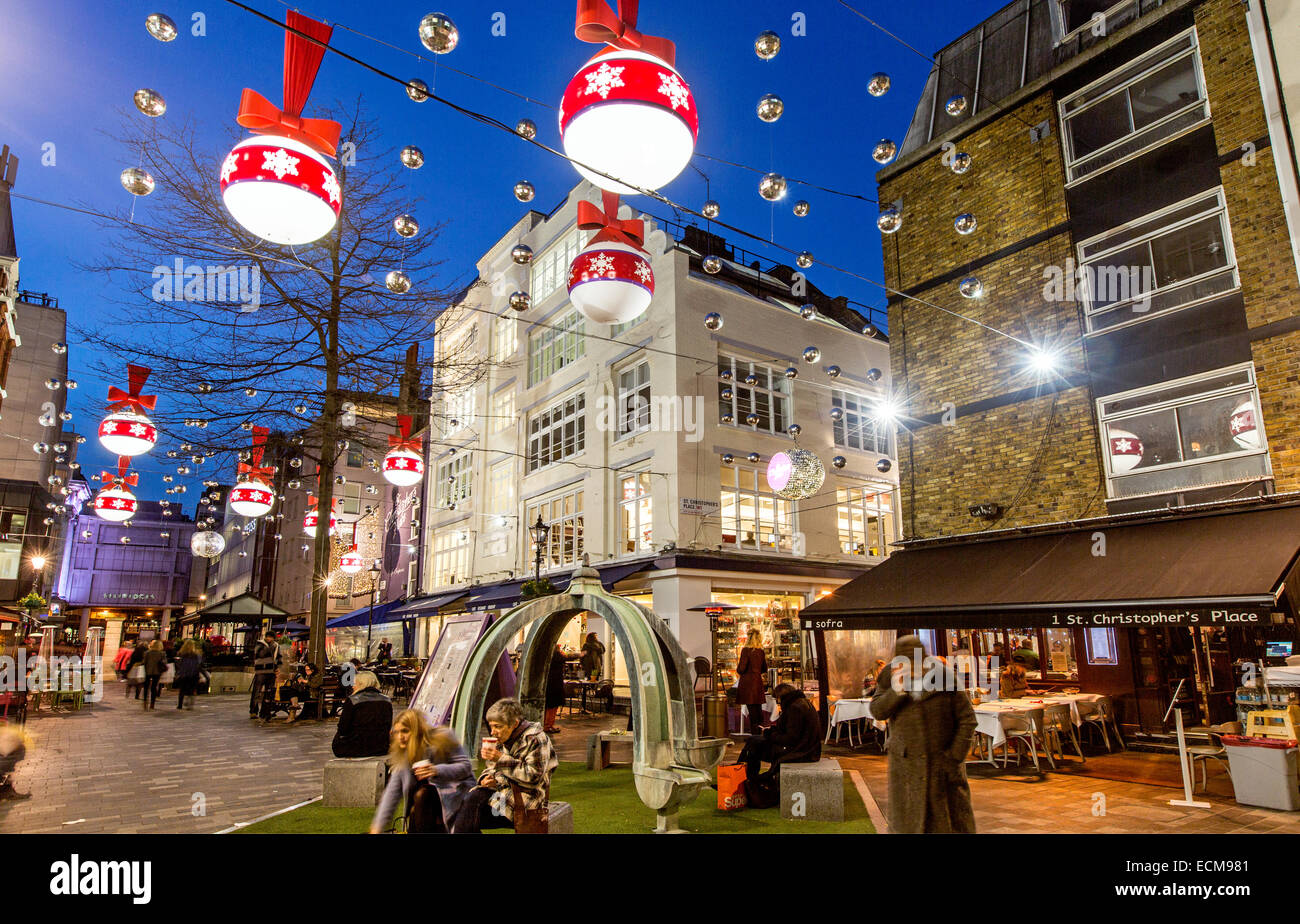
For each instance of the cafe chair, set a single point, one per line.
(1057, 725)
(1019, 728)
(1203, 753)
(572, 695)
(1098, 716)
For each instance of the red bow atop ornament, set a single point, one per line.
(404, 440)
(314, 502)
(608, 225)
(302, 59)
(257, 471)
(119, 400)
(121, 478)
(599, 24)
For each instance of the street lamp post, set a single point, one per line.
(540, 531)
(38, 586)
(374, 573)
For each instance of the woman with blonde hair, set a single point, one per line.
(429, 771)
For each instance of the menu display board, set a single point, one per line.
(442, 672)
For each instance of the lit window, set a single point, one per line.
(635, 512)
(753, 515)
(349, 498)
(754, 389)
(634, 399)
(866, 520)
(505, 338)
(503, 409)
(550, 269)
(451, 557)
(501, 489)
(564, 542)
(1101, 646)
(857, 427)
(453, 482)
(557, 433)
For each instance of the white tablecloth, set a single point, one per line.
(986, 714)
(846, 710)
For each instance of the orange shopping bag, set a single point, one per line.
(731, 787)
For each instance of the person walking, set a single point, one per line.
(931, 724)
(593, 657)
(189, 661)
(517, 777)
(266, 653)
(121, 661)
(750, 693)
(155, 662)
(554, 691)
(134, 677)
(366, 720)
(430, 774)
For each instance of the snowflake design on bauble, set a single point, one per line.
(671, 86)
(604, 79)
(228, 167)
(644, 272)
(602, 264)
(330, 185)
(280, 163)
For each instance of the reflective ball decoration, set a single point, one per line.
(251, 499)
(207, 544)
(149, 102)
(728, 458)
(53, 384)
(971, 287)
(1242, 426)
(791, 372)
(812, 354)
(403, 468)
(879, 84)
(397, 281)
(438, 33)
(712, 265)
(521, 254)
(412, 157)
(417, 90)
(794, 429)
(751, 419)
(796, 473)
(280, 189)
(767, 45)
(520, 301)
(802, 208)
(406, 225)
(965, 223)
(833, 372)
(837, 413)
(728, 419)
(883, 465)
(161, 27)
(611, 282)
(629, 115)
(1126, 450)
(524, 191)
(127, 433)
(772, 187)
(41, 448)
(770, 107)
(960, 162)
(526, 128)
(751, 380)
(753, 457)
(955, 106)
(808, 312)
(874, 375)
(312, 518)
(59, 347)
(725, 374)
(116, 503)
(884, 151)
(713, 321)
(804, 260)
(711, 209)
(890, 220)
(137, 182)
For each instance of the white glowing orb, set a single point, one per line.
(280, 190)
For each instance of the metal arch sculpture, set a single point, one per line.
(670, 762)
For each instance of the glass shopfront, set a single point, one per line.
(775, 617)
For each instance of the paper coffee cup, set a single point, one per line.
(421, 763)
(490, 741)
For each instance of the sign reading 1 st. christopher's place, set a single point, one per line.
(1033, 619)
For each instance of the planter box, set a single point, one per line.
(231, 681)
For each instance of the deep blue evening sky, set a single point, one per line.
(69, 65)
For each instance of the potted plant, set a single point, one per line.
(33, 602)
(531, 590)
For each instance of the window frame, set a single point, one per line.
(505, 337)
(840, 429)
(459, 468)
(887, 520)
(449, 553)
(644, 493)
(623, 394)
(554, 346)
(549, 271)
(736, 382)
(758, 480)
(554, 556)
(534, 462)
(501, 408)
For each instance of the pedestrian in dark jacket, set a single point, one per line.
(750, 694)
(137, 657)
(188, 663)
(554, 691)
(593, 657)
(155, 662)
(794, 738)
(931, 724)
(266, 654)
(365, 721)
(430, 774)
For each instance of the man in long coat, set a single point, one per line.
(930, 733)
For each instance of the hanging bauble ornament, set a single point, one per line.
(770, 107)
(53, 384)
(438, 33)
(833, 371)
(412, 157)
(1126, 451)
(207, 544)
(137, 182)
(965, 223)
(252, 496)
(794, 429)
(752, 419)
(971, 287)
(808, 312)
(524, 191)
(802, 208)
(812, 354)
(890, 220)
(728, 419)
(161, 27)
(1245, 432)
(41, 448)
(710, 209)
(884, 151)
(804, 260)
(627, 113)
(767, 45)
(526, 128)
(611, 280)
(879, 84)
(726, 394)
(417, 90)
(71, 384)
(713, 321)
(404, 464)
(406, 225)
(350, 562)
(725, 374)
(521, 254)
(883, 465)
(115, 502)
(59, 347)
(126, 430)
(955, 106)
(728, 458)
(837, 413)
(751, 380)
(772, 187)
(250, 392)
(150, 102)
(796, 474)
(312, 518)
(520, 301)
(397, 281)
(280, 189)
(874, 375)
(960, 163)
(753, 457)
(712, 265)
(791, 372)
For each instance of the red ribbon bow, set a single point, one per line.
(608, 225)
(257, 471)
(600, 24)
(122, 478)
(404, 439)
(302, 59)
(314, 502)
(119, 400)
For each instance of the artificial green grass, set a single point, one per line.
(604, 802)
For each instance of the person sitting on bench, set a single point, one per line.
(520, 761)
(795, 737)
(365, 721)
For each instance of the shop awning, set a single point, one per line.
(242, 607)
(509, 593)
(1224, 568)
(426, 606)
(363, 616)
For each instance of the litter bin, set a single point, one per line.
(1264, 771)
(715, 715)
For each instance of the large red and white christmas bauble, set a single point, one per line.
(1245, 432)
(115, 504)
(350, 563)
(630, 115)
(1125, 451)
(312, 518)
(611, 283)
(403, 468)
(251, 499)
(127, 433)
(281, 190)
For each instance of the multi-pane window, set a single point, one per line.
(457, 410)
(13, 523)
(617, 329)
(349, 499)
(454, 480)
(355, 459)
(857, 426)
(451, 557)
(1171, 259)
(1144, 103)
(635, 514)
(753, 389)
(1187, 434)
(866, 519)
(557, 433)
(501, 488)
(753, 515)
(563, 514)
(505, 338)
(502, 409)
(1071, 16)
(551, 267)
(634, 399)
(553, 347)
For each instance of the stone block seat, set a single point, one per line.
(559, 818)
(813, 791)
(354, 781)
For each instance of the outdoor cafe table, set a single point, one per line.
(987, 714)
(849, 710)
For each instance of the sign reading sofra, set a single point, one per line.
(1208, 616)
